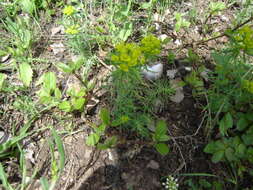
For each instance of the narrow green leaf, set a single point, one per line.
(60, 148)
(2, 78)
(210, 147)
(44, 183)
(218, 156)
(25, 73)
(242, 124)
(4, 179)
(162, 148)
(120, 121)
(78, 104)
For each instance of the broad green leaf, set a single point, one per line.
(226, 123)
(2, 78)
(49, 81)
(78, 104)
(160, 130)
(218, 156)
(108, 143)
(205, 183)
(210, 147)
(92, 139)
(249, 116)
(25, 73)
(229, 153)
(163, 138)
(240, 150)
(81, 93)
(65, 68)
(247, 139)
(100, 129)
(162, 148)
(65, 106)
(242, 124)
(126, 31)
(77, 64)
(105, 116)
(57, 94)
(146, 5)
(250, 154)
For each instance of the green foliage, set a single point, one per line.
(230, 97)
(76, 102)
(203, 184)
(180, 22)
(2, 79)
(94, 139)
(160, 135)
(216, 7)
(49, 93)
(241, 40)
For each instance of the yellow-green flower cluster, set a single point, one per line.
(248, 85)
(150, 45)
(127, 55)
(244, 37)
(69, 10)
(74, 29)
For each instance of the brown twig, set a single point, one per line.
(214, 38)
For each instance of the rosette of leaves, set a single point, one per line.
(76, 102)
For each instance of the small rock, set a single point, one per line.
(177, 42)
(179, 95)
(153, 165)
(224, 18)
(171, 73)
(153, 72)
(57, 48)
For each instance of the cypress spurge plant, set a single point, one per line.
(128, 94)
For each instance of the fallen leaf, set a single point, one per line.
(58, 29)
